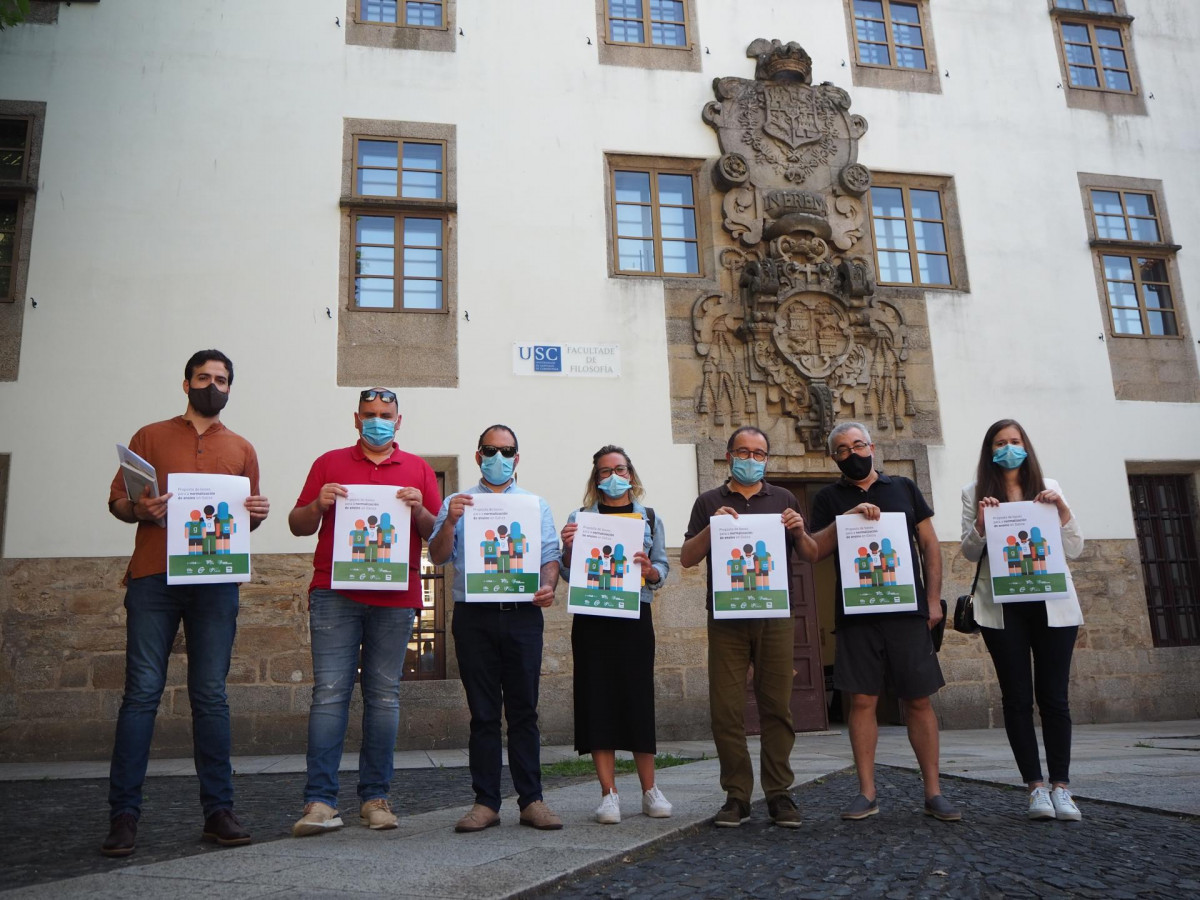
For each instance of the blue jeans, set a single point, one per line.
(500, 662)
(341, 630)
(153, 613)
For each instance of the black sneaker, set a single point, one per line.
(121, 834)
(783, 812)
(223, 828)
(732, 814)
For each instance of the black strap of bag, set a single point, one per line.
(964, 607)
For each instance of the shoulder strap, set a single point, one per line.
(650, 518)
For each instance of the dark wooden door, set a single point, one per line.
(808, 675)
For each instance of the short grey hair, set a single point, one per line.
(839, 430)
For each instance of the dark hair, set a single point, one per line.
(989, 477)
(200, 357)
(482, 434)
(591, 494)
(744, 430)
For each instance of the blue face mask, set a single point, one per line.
(378, 432)
(614, 486)
(1010, 456)
(747, 471)
(497, 469)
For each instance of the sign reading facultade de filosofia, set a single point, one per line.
(568, 360)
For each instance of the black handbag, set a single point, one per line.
(964, 607)
(938, 632)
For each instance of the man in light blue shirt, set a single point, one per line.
(499, 649)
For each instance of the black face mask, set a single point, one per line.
(856, 467)
(208, 401)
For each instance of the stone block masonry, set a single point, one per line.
(62, 663)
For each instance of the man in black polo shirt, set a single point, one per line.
(877, 648)
(735, 644)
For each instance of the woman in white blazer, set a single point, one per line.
(1044, 630)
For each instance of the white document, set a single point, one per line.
(208, 528)
(749, 567)
(605, 581)
(502, 547)
(138, 475)
(877, 564)
(1025, 555)
(371, 531)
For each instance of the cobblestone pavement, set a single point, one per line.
(55, 827)
(995, 852)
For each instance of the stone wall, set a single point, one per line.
(62, 666)
(62, 662)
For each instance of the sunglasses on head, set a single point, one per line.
(372, 394)
(489, 451)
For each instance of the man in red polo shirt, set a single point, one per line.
(344, 624)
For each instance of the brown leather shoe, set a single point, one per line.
(478, 818)
(223, 828)
(121, 834)
(537, 815)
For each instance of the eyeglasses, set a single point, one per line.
(744, 453)
(372, 394)
(489, 451)
(857, 447)
(623, 471)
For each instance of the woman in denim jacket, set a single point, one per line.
(614, 657)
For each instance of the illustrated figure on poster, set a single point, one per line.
(489, 549)
(763, 564)
(225, 528)
(387, 533)
(505, 549)
(606, 568)
(210, 530)
(371, 550)
(876, 565)
(1012, 555)
(736, 566)
(890, 559)
(619, 564)
(748, 557)
(593, 569)
(1039, 549)
(195, 533)
(517, 544)
(358, 541)
(862, 563)
(1026, 553)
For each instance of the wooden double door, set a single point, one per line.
(809, 710)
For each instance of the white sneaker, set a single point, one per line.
(1064, 806)
(1040, 806)
(609, 810)
(655, 805)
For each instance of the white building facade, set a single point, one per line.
(347, 193)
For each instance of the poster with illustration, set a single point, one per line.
(370, 539)
(208, 528)
(502, 547)
(749, 567)
(876, 563)
(1024, 545)
(605, 581)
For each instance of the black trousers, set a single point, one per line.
(499, 649)
(1026, 635)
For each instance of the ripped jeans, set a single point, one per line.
(342, 629)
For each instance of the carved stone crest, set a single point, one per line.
(797, 316)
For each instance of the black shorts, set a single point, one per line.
(887, 650)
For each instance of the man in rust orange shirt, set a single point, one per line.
(193, 442)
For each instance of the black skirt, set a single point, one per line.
(614, 682)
